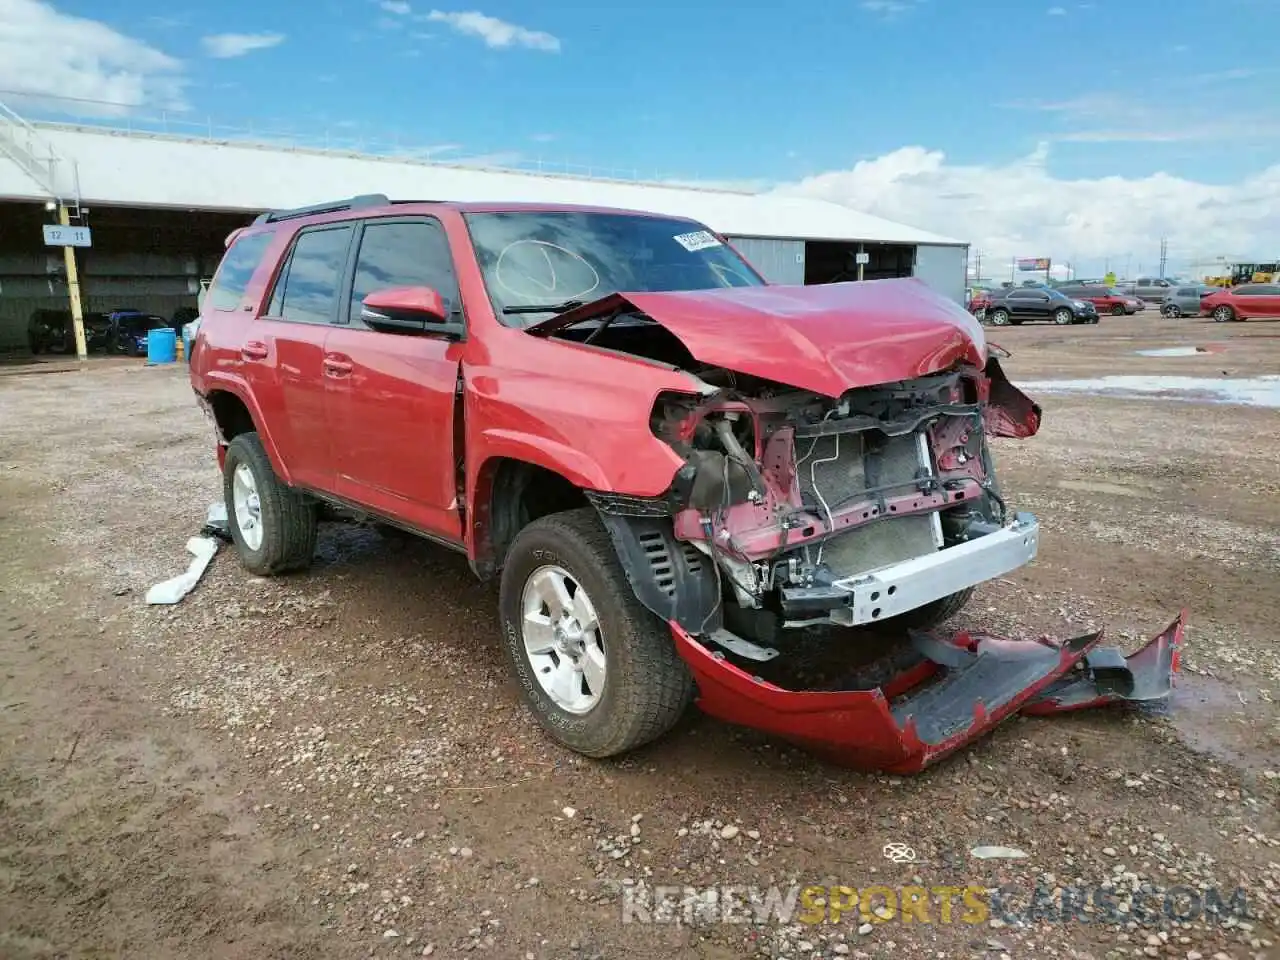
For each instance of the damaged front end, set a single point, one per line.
(881, 507)
(846, 502)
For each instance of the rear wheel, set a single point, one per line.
(1223, 314)
(598, 669)
(1062, 316)
(273, 527)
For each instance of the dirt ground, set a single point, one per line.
(336, 764)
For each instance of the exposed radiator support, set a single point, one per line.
(55, 175)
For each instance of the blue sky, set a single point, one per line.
(1119, 121)
(722, 90)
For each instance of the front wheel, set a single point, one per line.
(1117, 310)
(272, 526)
(1171, 310)
(598, 669)
(1063, 316)
(999, 318)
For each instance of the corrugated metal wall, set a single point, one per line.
(944, 269)
(780, 261)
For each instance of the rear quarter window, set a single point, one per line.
(236, 270)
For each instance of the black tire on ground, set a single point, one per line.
(1117, 310)
(288, 517)
(999, 317)
(933, 614)
(647, 686)
(1062, 316)
(1171, 310)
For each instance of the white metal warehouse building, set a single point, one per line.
(159, 207)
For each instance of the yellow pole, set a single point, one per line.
(73, 287)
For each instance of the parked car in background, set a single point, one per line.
(979, 301)
(1106, 299)
(1242, 302)
(1017, 306)
(1150, 289)
(1185, 301)
(129, 330)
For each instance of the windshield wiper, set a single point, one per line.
(543, 307)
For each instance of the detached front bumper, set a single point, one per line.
(960, 688)
(901, 587)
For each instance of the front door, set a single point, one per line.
(391, 396)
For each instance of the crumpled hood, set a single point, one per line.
(827, 338)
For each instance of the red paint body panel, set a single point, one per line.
(389, 405)
(853, 728)
(828, 338)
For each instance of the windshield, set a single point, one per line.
(546, 259)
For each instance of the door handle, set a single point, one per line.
(254, 350)
(335, 366)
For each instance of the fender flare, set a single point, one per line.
(218, 381)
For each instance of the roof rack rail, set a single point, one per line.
(335, 206)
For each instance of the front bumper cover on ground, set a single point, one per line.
(961, 688)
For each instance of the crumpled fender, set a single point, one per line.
(1008, 411)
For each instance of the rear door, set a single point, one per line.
(284, 351)
(391, 396)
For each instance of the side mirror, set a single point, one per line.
(408, 310)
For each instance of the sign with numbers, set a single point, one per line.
(56, 235)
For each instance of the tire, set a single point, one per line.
(1223, 313)
(936, 613)
(1117, 310)
(285, 529)
(1062, 316)
(999, 318)
(646, 686)
(1171, 310)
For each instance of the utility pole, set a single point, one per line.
(73, 286)
(1164, 255)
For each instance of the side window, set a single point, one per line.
(236, 270)
(403, 253)
(1250, 291)
(307, 289)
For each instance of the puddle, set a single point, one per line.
(1099, 486)
(1174, 352)
(1249, 391)
(1210, 718)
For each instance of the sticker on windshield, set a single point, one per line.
(698, 240)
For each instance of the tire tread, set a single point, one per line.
(289, 540)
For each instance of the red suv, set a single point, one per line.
(671, 465)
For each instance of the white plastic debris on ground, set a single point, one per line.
(202, 550)
(998, 853)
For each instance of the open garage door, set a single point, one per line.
(836, 262)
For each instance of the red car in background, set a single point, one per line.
(1106, 299)
(1242, 302)
(979, 301)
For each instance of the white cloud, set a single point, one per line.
(398, 7)
(227, 45)
(1057, 11)
(51, 60)
(496, 33)
(1023, 209)
(888, 8)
